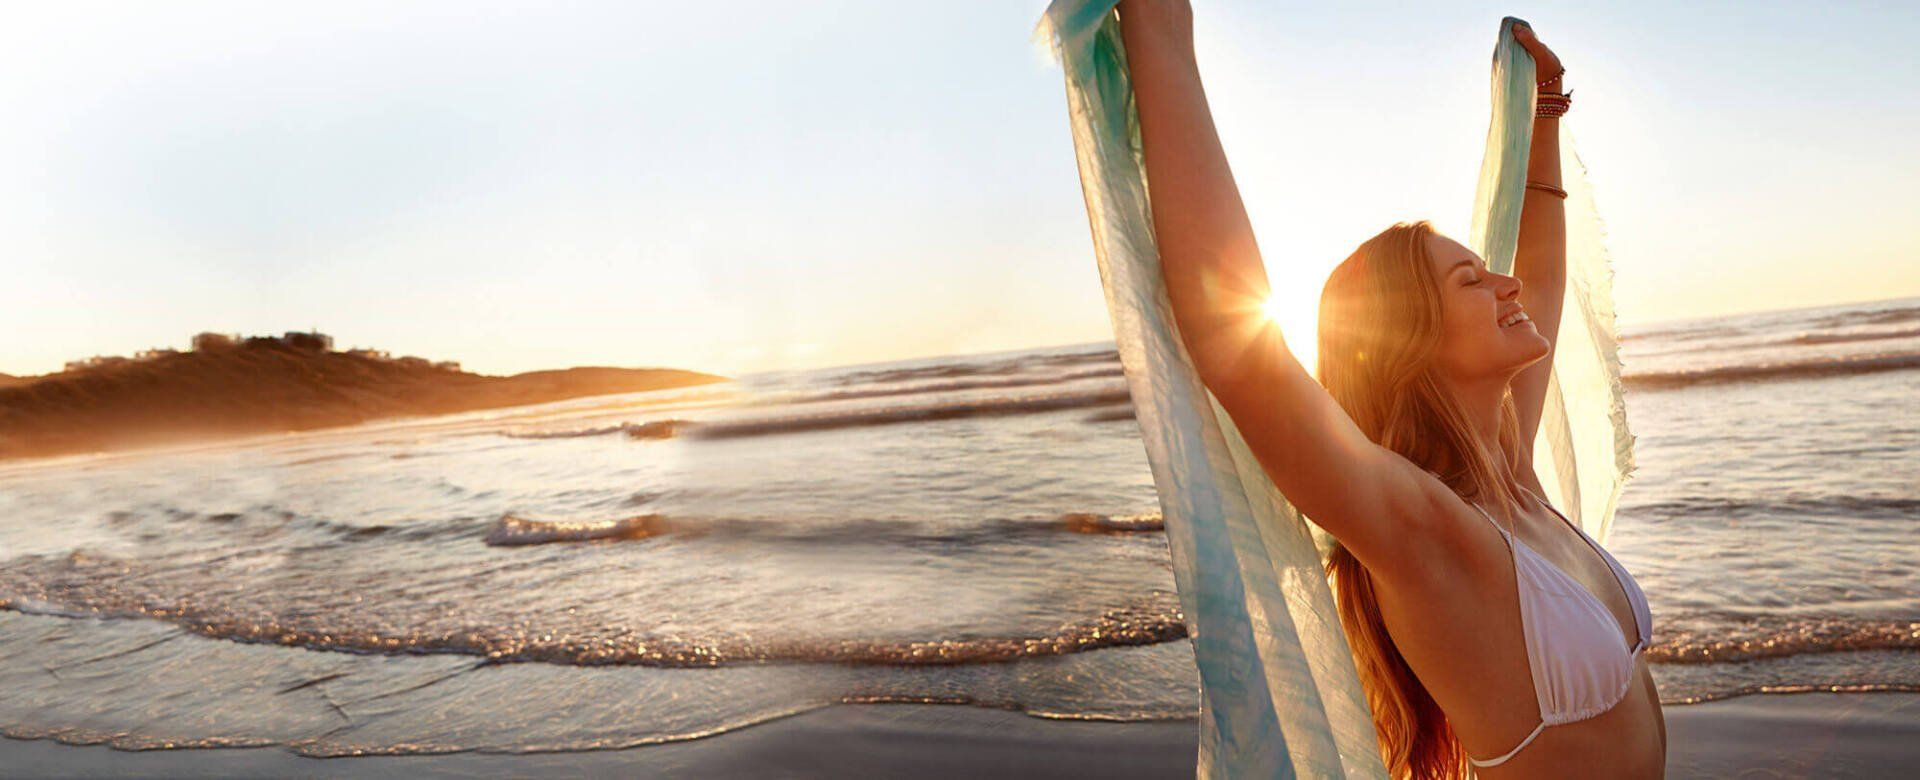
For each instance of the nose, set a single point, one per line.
(1509, 287)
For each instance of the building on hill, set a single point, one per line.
(209, 341)
(312, 341)
(448, 365)
(102, 361)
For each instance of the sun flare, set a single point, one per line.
(1299, 322)
(1272, 309)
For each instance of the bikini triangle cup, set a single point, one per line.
(1579, 660)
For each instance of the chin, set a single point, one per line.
(1529, 347)
(1535, 355)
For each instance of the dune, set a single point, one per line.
(266, 385)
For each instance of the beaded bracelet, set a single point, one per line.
(1552, 104)
(1550, 79)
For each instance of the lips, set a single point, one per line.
(1516, 317)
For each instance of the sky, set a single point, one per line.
(748, 186)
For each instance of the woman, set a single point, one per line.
(1488, 630)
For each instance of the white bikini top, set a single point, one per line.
(1581, 664)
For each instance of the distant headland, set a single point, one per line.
(227, 386)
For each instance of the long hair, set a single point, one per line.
(1380, 329)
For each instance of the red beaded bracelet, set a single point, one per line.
(1552, 104)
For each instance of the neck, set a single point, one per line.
(1480, 400)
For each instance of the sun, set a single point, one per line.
(1299, 321)
(1272, 308)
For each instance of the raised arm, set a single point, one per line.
(1540, 261)
(1370, 498)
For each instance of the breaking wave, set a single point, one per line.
(656, 429)
(1888, 316)
(1087, 522)
(1108, 372)
(1154, 620)
(514, 531)
(1798, 638)
(271, 525)
(1755, 690)
(861, 418)
(260, 523)
(1868, 507)
(1823, 367)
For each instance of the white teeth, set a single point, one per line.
(1514, 319)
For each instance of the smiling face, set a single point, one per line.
(1408, 321)
(1484, 330)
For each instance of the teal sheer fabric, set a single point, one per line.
(1280, 696)
(1584, 451)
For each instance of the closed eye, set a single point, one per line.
(1470, 266)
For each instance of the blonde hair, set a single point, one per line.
(1380, 330)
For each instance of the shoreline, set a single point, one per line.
(1771, 735)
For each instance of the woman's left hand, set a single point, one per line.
(1545, 62)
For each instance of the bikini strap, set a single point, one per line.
(1490, 521)
(1511, 753)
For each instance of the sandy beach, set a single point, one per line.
(1822, 735)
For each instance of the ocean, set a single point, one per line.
(977, 530)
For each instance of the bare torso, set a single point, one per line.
(1457, 622)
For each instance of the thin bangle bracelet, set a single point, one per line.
(1548, 189)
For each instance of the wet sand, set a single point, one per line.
(1776, 736)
